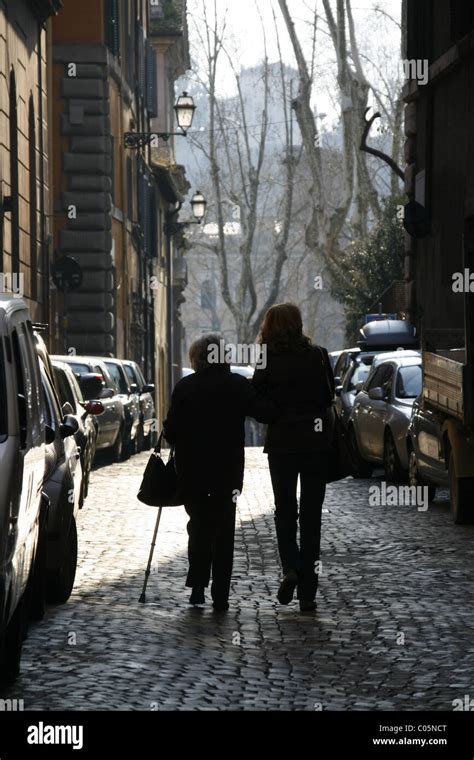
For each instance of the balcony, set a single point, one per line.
(168, 18)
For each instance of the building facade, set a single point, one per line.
(439, 150)
(25, 151)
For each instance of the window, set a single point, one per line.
(80, 369)
(33, 200)
(65, 393)
(382, 378)
(14, 187)
(130, 374)
(462, 18)
(151, 81)
(3, 398)
(360, 375)
(21, 390)
(112, 25)
(118, 377)
(409, 382)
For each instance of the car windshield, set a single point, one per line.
(3, 397)
(359, 375)
(409, 382)
(117, 377)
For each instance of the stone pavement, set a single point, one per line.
(394, 627)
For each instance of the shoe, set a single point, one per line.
(306, 605)
(287, 587)
(220, 605)
(197, 596)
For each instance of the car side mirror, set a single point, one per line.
(67, 409)
(148, 388)
(359, 386)
(377, 394)
(106, 393)
(68, 427)
(95, 408)
(134, 388)
(339, 389)
(49, 434)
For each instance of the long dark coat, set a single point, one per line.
(206, 423)
(302, 384)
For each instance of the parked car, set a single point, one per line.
(333, 357)
(343, 363)
(111, 435)
(381, 415)
(354, 379)
(22, 463)
(85, 412)
(62, 484)
(147, 431)
(427, 448)
(129, 394)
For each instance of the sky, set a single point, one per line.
(245, 27)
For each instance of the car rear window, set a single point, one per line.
(81, 369)
(409, 382)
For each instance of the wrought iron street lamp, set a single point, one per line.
(198, 204)
(184, 109)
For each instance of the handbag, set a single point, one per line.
(159, 486)
(342, 461)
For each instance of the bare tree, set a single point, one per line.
(237, 167)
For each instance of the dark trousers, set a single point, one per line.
(211, 531)
(284, 471)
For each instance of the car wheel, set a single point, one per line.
(12, 643)
(415, 480)
(61, 584)
(391, 461)
(117, 448)
(461, 495)
(37, 587)
(364, 469)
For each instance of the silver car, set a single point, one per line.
(381, 414)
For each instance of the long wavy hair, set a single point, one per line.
(282, 330)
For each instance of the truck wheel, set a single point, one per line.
(414, 478)
(364, 469)
(12, 643)
(391, 461)
(462, 496)
(62, 582)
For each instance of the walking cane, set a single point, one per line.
(150, 558)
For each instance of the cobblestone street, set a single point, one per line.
(393, 628)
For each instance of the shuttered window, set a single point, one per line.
(112, 25)
(151, 81)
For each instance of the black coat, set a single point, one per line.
(206, 423)
(302, 384)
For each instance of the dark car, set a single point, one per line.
(427, 452)
(112, 429)
(62, 485)
(85, 412)
(148, 427)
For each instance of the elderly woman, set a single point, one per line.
(206, 423)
